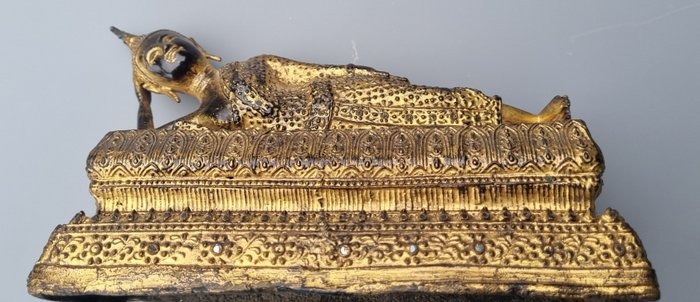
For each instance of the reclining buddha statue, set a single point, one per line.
(269, 92)
(298, 181)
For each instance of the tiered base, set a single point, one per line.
(358, 256)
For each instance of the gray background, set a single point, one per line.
(631, 69)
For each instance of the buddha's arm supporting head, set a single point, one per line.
(166, 62)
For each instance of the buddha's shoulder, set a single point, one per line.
(271, 61)
(266, 63)
(293, 72)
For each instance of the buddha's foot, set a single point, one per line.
(558, 109)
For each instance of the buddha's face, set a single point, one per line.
(166, 62)
(169, 58)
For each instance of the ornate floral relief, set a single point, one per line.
(556, 148)
(338, 245)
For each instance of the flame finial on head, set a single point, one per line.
(132, 41)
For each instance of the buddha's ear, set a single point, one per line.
(206, 54)
(212, 57)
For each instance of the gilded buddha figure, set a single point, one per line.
(296, 181)
(282, 94)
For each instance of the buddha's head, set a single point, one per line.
(166, 62)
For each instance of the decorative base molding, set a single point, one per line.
(322, 253)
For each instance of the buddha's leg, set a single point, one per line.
(556, 110)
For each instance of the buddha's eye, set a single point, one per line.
(170, 61)
(154, 55)
(173, 52)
